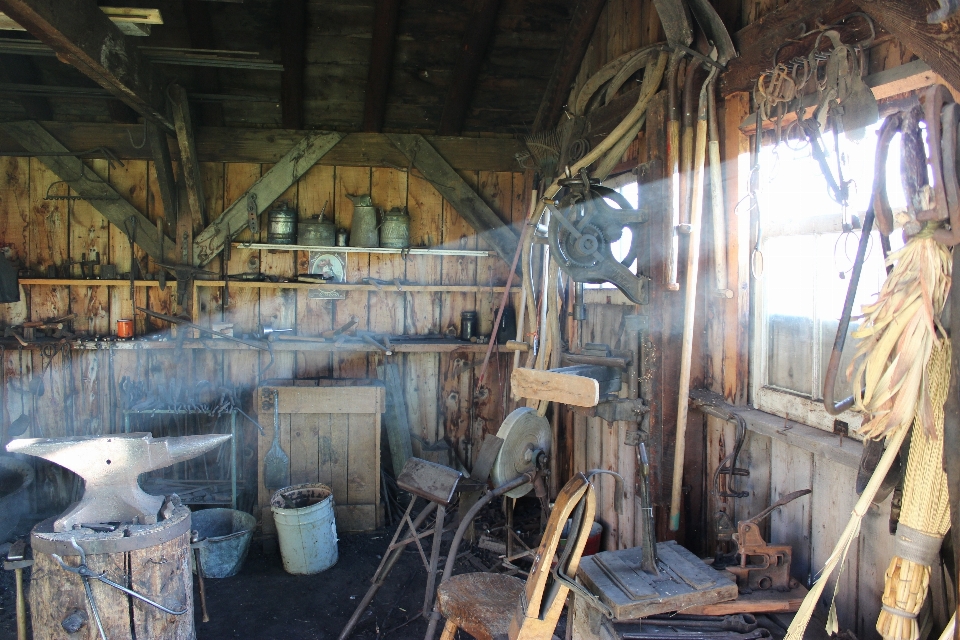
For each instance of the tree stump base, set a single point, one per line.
(153, 560)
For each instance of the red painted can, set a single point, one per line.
(124, 329)
(593, 540)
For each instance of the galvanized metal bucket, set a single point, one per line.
(227, 534)
(363, 229)
(306, 527)
(395, 230)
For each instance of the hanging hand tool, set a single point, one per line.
(17, 562)
(86, 573)
(276, 464)
(195, 544)
(130, 228)
(690, 304)
(692, 85)
(673, 169)
(186, 274)
(210, 332)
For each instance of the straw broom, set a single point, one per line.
(924, 517)
(897, 336)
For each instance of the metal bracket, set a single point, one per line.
(253, 215)
(622, 409)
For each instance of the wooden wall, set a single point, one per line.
(81, 387)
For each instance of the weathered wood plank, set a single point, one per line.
(83, 36)
(188, 154)
(455, 190)
(87, 184)
(222, 144)
(261, 195)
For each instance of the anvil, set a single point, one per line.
(109, 466)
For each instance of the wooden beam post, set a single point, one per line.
(385, 17)
(86, 183)
(264, 191)
(293, 42)
(167, 184)
(936, 44)
(83, 36)
(473, 49)
(188, 154)
(582, 24)
(457, 192)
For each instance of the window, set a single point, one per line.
(626, 185)
(806, 261)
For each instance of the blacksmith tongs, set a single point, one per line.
(86, 573)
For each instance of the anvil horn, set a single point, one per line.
(110, 466)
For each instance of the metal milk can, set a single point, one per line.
(282, 224)
(395, 230)
(363, 230)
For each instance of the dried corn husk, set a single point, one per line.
(926, 508)
(897, 335)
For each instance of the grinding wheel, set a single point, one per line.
(523, 433)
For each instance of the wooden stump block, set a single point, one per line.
(153, 560)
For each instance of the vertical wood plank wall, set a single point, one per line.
(721, 353)
(81, 387)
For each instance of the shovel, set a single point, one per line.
(23, 422)
(276, 464)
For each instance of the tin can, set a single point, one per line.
(468, 324)
(395, 230)
(316, 233)
(341, 237)
(282, 224)
(125, 329)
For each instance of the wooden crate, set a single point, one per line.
(331, 434)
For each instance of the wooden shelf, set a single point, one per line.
(411, 346)
(247, 284)
(413, 251)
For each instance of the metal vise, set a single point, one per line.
(763, 566)
(582, 228)
(110, 466)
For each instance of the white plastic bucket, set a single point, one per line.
(306, 528)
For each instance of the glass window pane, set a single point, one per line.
(788, 285)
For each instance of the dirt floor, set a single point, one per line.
(263, 601)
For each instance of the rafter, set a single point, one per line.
(86, 183)
(583, 22)
(382, 45)
(83, 36)
(491, 229)
(476, 40)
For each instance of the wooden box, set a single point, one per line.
(331, 434)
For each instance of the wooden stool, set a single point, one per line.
(492, 607)
(437, 485)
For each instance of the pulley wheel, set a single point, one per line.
(524, 434)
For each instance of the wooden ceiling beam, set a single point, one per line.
(262, 194)
(477, 36)
(454, 189)
(936, 44)
(89, 185)
(293, 50)
(583, 22)
(760, 41)
(81, 35)
(216, 144)
(386, 17)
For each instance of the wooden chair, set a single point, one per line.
(495, 607)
